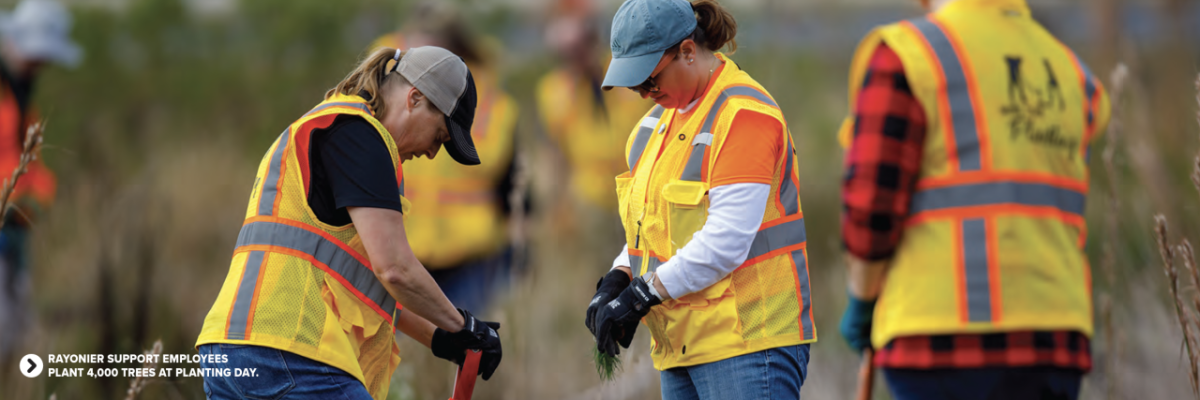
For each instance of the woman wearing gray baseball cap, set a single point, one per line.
(322, 264)
(716, 258)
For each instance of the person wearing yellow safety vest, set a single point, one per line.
(461, 234)
(963, 198)
(716, 257)
(589, 127)
(322, 265)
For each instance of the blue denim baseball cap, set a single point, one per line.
(642, 30)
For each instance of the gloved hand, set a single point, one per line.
(607, 289)
(856, 322)
(617, 320)
(475, 335)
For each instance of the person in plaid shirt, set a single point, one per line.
(883, 165)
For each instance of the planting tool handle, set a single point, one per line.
(866, 375)
(464, 382)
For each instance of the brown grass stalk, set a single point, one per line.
(1196, 163)
(137, 384)
(1108, 266)
(1186, 321)
(29, 152)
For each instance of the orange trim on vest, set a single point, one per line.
(981, 125)
(943, 101)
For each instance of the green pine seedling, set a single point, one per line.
(606, 365)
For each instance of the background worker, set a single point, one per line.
(32, 35)
(462, 232)
(300, 303)
(715, 233)
(588, 127)
(964, 190)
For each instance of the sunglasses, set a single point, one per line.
(650, 85)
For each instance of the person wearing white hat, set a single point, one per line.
(32, 35)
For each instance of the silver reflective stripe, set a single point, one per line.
(240, 316)
(643, 137)
(985, 194)
(402, 179)
(787, 190)
(266, 202)
(806, 323)
(360, 106)
(975, 265)
(704, 138)
(695, 163)
(649, 122)
(652, 264)
(324, 251)
(635, 267)
(962, 111)
(777, 237)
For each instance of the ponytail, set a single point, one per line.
(715, 26)
(368, 79)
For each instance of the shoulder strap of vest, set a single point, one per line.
(645, 130)
(962, 119)
(697, 160)
(355, 104)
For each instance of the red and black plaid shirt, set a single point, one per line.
(882, 168)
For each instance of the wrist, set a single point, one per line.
(859, 304)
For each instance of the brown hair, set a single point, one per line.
(715, 26)
(369, 78)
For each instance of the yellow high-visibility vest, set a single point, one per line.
(461, 217)
(300, 285)
(591, 129)
(994, 240)
(766, 302)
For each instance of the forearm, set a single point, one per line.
(865, 279)
(721, 245)
(413, 326)
(406, 280)
(410, 284)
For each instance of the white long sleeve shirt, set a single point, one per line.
(734, 214)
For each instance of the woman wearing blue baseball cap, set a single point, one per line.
(716, 259)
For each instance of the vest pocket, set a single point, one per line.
(688, 209)
(624, 183)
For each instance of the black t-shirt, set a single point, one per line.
(350, 167)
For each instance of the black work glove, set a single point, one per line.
(607, 289)
(475, 335)
(617, 320)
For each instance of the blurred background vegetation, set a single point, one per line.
(156, 136)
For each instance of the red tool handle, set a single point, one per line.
(866, 375)
(464, 382)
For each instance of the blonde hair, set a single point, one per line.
(369, 78)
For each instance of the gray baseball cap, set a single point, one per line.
(40, 30)
(642, 30)
(445, 80)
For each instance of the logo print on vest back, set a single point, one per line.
(1030, 104)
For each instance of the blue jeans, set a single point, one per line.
(1033, 383)
(278, 375)
(774, 373)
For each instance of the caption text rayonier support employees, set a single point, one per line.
(139, 358)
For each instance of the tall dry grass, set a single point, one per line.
(1187, 302)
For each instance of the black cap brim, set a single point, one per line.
(461, 147)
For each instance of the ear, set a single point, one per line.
(687, 49)
(414, 98)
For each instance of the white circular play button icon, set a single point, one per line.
(31, 365)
